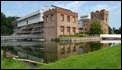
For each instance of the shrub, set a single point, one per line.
(76, 35)
(56, 39)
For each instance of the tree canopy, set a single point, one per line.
(7, 24)
(117, 31)
(95, 28)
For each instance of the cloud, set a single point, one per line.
(107, 7)
(113, 10)
(99, 7)
(74, 6)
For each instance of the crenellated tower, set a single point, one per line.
(102, 16)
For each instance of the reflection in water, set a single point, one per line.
(45, 52)
(32, 65)
(95, 46)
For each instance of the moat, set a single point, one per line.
(36, 52)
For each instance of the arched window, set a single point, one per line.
(46, 18)
(68, 18)
(62, 17)
(52, 17)
(73, 19)
(62, 29)
(74, 30)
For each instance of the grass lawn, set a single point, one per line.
(106, 58)
(11, 63)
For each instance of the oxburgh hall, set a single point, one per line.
(53, 21)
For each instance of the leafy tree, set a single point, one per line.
(4, 30)
(3, 18)
(117, 31)
(7, 24)
(95, 28)
(95, 46)
(110, 30)
(120, 30)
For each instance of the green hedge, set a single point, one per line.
(76, 35)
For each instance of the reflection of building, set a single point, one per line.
(7, 54)
(101, 16)
(50, 51)
(104, 45)
(66, 50)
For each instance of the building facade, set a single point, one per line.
(101, 16)
(48, 24)
(60, 21)
(31, 24)
(54, 21)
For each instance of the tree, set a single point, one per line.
(120, 30)
(117, 31)
(114, 29)
(110, 30)
(95, 46)
(95, 28)
(7, 24)
(4, 30)
(3, 18)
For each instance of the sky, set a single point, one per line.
(22, 8)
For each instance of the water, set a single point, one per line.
(36, 52)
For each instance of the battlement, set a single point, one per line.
(99, 11)
(100, 15)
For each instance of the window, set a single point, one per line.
(73, 19)
(46, 18)
(74, 30)
(101, 16)
(106, 19)
(62, 49)
(62, 17)
(52, 17)
(68, 49)
(92, 17)
(81, 28)
(68, 18)
(27, 22)
(74, 48)
(62, 29)
(68, 30)
(84, 24)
